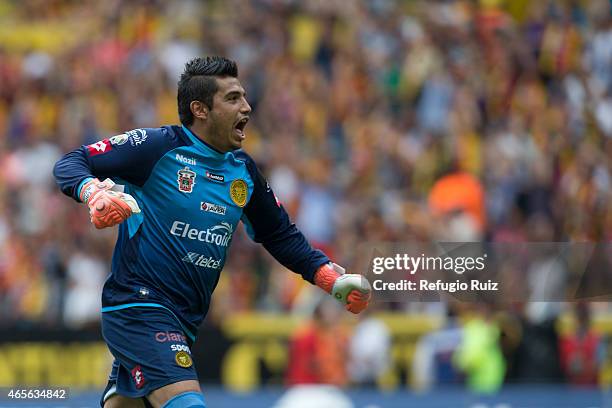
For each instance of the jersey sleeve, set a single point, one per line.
(130, 156)
(268, 223)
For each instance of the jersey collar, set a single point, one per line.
(205, 147)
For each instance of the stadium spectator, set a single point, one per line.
(318, 351)
(581, 350)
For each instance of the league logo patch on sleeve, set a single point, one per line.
(100, 147)
(118, 139)
(186, 180)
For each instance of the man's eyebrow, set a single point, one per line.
(239, 92)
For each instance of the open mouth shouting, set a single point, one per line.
(239, 127)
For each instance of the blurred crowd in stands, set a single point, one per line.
(375, 120)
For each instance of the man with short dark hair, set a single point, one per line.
(182, 191)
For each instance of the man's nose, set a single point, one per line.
(246, 108)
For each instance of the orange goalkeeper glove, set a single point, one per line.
(107, 207)
(351, 289)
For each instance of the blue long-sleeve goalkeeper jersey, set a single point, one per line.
(192, 197)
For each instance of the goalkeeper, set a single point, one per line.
(178, 193)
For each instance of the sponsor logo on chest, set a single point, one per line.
(202, 261)
(219, 178)
(218, 235)
(213, 208)
(186, 160)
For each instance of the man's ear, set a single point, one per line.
(199, 110)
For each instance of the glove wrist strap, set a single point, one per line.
(326, 277)
(88, 191)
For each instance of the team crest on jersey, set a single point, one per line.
(186, 180)
(183, 359)
(118, 139)
(238, 192)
